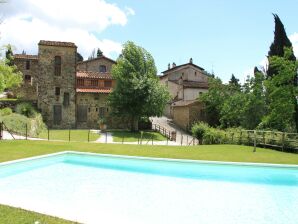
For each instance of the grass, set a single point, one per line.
(75, 135)
(128, 136)
(11, 215)
(11, 150)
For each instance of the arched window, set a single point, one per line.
(102, 68)
(57, 65)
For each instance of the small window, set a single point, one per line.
(94, 82)
(96, 109)
(102, 68)
(101, 112)
(96, 97)
(80, 82)
(57, 65)
(195, 73)
(66, 99)
(89, 109)
(57, 91)
(107, 83)
(28, 79)
(27, 65)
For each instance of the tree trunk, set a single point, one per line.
(134, 124)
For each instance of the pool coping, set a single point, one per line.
(150, 158)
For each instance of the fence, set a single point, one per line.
(167, 133)
(281, 141)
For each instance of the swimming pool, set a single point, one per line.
(93, 188)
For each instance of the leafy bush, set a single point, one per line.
(5, 111)
(17, 124)
(26, 109)
(213, 136)
(145, 123)
(198, 130)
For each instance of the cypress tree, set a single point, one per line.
(280, 42)
(99, 53)
(9, 56)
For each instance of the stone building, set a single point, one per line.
(69, 94)
(185, 83)
(28, 64)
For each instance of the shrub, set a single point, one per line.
(213, 136)
(17, 124)
(5, 111)
(26, 109)
(198, 130)
(145, 123)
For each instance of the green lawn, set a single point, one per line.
(10, 150)
(75, 135)
(128, 136)
(11, 215)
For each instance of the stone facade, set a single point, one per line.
(185, 83)
(96, 65)
(56, 83)
(28, 64)
(68, 94)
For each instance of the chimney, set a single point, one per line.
(173, 65)
(190, 60)
(169, 66)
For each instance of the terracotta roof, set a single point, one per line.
(94, 59)
(25, 56)
(183, 103)
(93, 75)
(56, 43)
(193, 84)
(179, 66)
(79, 90)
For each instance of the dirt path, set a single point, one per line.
(182, 138)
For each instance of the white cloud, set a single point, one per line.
(28, 21)
(294, 39)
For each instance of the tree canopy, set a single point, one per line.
(138, 92)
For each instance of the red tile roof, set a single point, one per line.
(79, 90)
(93, 75)
(56, 43)
(25, 56)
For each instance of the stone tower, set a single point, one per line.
(56, 83)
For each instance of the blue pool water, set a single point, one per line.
(112, 189)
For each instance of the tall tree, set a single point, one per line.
(281, 94)
(138, 92)
(214, 100)
(99, 53)
(234, 84)
(254, 107)
(281, 41)
(79, 57)
(9, 55)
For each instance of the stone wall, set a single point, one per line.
(94, 104)
(181, 116)
(93, 65)
(48, 100)
(27, 90)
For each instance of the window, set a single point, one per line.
(27, 65)
(107, 83)
(94, 82)
(102, 68)
(80, 82)
(101, 112)
(66, 99)
(57, 65)
(57, 114)
(96, 109)
(89, 109)
(28, 79)
(57, 91)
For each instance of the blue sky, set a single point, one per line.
(224, 36)
(229, 36)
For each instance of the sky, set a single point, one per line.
(222, 36)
